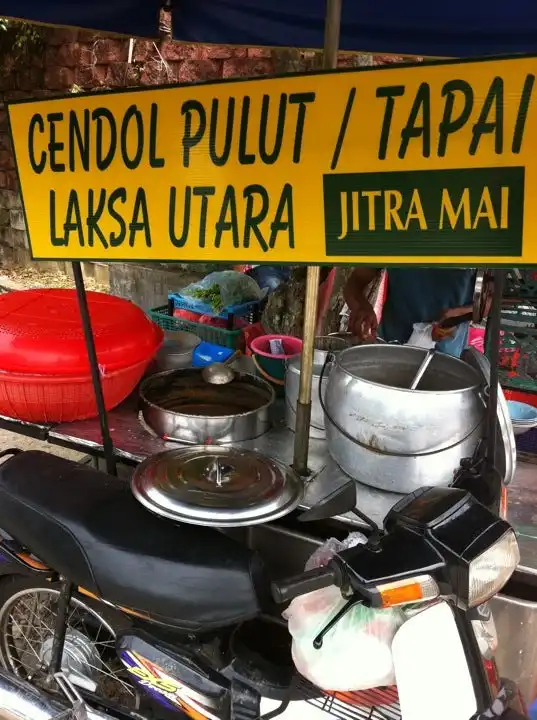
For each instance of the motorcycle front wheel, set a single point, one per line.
(27, 619)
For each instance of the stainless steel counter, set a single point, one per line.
(133, 442)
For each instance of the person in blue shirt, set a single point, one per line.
(415, 295)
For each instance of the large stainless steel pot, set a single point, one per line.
(385, 435)
(292, 384)
(368, 396)
(397, 473)
(179, 405)
(324, 346)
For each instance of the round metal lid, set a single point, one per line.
(216, 486)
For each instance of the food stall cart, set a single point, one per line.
(310, 184)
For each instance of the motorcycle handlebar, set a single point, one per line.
(284, 591)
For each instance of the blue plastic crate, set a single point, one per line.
(181, 302)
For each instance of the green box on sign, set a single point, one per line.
(465, 212)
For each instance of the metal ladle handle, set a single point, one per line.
(422, 369)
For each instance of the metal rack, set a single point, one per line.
(377, 704)
(517, 344)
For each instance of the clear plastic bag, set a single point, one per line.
(422, 336)
(356, 652)
(224, 288)
(330, 547)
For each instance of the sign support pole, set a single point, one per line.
(108, 446)
(494, 340)
(303, 409)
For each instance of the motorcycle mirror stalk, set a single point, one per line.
(339, 502)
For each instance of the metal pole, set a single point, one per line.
(303, 409)
(493, 342)
(332, 27)
(60, 629)
(108, 446)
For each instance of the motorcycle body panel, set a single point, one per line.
(178, 678)
(17, 560)
(433, 677)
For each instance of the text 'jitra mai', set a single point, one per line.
(392, 210)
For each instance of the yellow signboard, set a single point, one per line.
(425, 164)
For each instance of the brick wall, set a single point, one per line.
(63, 60)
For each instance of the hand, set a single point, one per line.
(439, 333)
(363, 321)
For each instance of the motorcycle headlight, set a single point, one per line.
(489, 571)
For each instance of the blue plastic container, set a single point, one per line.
(521, 411)
(207, 353)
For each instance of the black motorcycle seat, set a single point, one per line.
(88, 527)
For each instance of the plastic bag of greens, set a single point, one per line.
(224, 288)
(356, 652)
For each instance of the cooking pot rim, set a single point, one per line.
(194, 371)
(294, 365)
(388, 348)
(180, 347)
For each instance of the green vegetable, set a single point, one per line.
(211, 296)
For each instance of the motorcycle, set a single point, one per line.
(107, 611)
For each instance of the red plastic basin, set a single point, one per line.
(41, 333)
(48, 399)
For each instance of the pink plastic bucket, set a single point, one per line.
(272, 367)
(291, 346)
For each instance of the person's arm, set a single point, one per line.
(438, 332)
(356, 286)
(455, 312)
(488, 291)
(363, 321)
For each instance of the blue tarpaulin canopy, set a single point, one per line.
(458, 28)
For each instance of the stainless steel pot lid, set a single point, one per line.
(216, 486)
